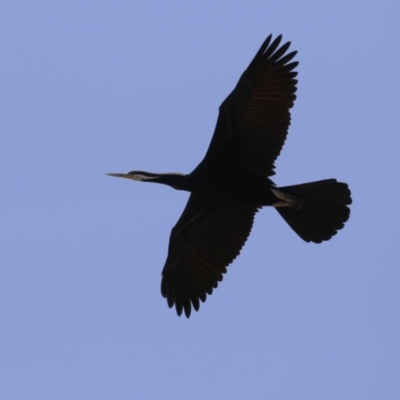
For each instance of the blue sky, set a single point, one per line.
(93, 87)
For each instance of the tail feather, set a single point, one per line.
(323, 212)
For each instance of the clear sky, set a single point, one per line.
(90, 87)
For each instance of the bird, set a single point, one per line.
(232, 183)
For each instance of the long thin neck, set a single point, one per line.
(177, 181)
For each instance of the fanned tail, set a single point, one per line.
(321, 209)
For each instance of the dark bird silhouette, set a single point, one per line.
(232, 183)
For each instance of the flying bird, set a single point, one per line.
(232, 183)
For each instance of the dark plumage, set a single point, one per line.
(232, 183)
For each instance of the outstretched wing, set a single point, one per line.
(254, 119)
(205, 240)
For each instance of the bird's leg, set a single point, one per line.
(286, 200)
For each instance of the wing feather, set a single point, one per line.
(205, 240)
(254, 119)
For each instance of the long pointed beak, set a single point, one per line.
(127, 176)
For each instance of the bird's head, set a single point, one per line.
(174, 179)
(137, 175)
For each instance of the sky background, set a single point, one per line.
(89, 87)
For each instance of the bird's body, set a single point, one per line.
(238, 187)
(232, 183)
